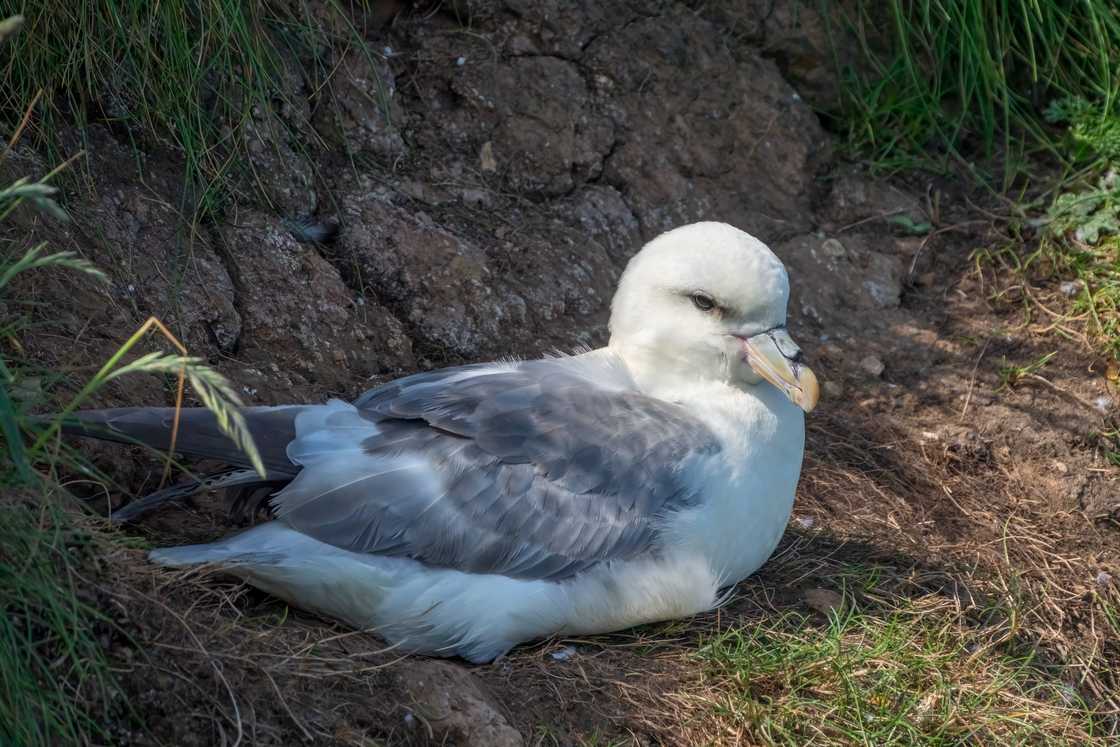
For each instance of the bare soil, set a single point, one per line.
(488, 210)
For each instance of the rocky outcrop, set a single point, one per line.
(491, 167)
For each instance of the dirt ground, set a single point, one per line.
(490, 177)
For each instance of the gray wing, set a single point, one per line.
(532, 470)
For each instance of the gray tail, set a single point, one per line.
(272, 428)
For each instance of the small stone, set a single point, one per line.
(872, 365)
(1103, 404)
(883, 295)
(824, 601)
(1104, 578)
(461, 61)
(475, 197)
(486, 160)
(833, 248)
(832, 390)
(1070, 288)
(456, 705)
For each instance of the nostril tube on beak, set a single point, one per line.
(776, 358)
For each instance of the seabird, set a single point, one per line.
(463, 511)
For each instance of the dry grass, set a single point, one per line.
(203, 660)
(967, 616)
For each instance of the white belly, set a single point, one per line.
(450, 613)
(751, 482)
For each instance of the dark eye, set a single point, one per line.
(703, 301)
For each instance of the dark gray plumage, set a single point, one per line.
(273, 428)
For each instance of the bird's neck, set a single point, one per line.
(659, 372)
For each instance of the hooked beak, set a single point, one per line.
(775, 357)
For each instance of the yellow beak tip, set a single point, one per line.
(810, 390)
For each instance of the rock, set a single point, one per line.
(831, 278)
(742, 20)
(1070, 288)
(440, 285)
(453, 703)
(856, 196)
(656, 107)
(872, 365)
(603, 215)
(587, 127)
(702, 133)
(459, 300)
(832, 390)
(275, 138)
(544, 133)
(284, 173)
(806, 45)
(300, 320)
(824, 601)
(131, 228)
(564, 28)
(361, 111)
(486, 160)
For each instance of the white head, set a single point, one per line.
(707, 301)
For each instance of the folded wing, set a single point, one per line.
(539, 469)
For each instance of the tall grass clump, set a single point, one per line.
(180, 73)
(57, 684)
(942, 79)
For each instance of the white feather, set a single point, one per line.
(671, 351)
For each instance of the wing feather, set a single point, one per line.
(533, 470)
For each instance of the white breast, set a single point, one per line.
(749, 485)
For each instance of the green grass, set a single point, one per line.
(948, 84)
(181, 73)
(906, 675)
(1010, 374)
(56, 683)
(1070, 288)
(942, 78)
(56, 680)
